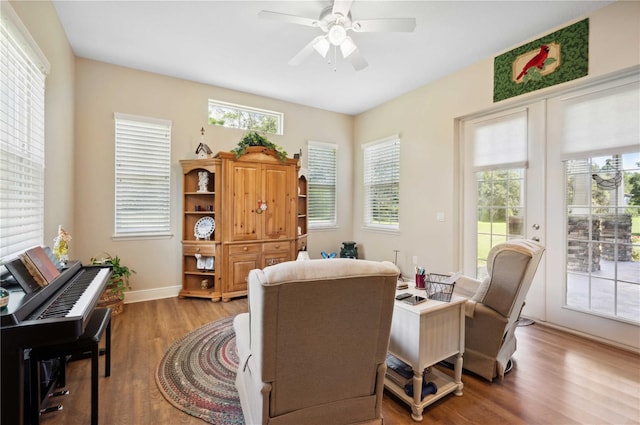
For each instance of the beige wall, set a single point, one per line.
(41, 20)
(79, 190)
(425, 118)
(102, 89)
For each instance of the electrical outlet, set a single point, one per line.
(440, 216)
(415, 259)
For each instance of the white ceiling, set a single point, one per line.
(223, 43)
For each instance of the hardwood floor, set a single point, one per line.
(558, 378)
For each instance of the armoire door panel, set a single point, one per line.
(246, 221)
(239, 268)
(276, 188)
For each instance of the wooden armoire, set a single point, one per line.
(260, 219)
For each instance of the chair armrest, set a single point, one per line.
(466, 286)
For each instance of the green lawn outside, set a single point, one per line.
(484, 228)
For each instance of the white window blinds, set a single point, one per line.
(601, 122)
(382, 183)
(322, 165)
(143, 174)
(23, 69)
(500, 141)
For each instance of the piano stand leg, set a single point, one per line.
(99, 325)
(63, 372)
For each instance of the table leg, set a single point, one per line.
(416, 412)
(457, 369)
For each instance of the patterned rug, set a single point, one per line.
(197, 374)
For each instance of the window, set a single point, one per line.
(23, 69)
(322, 163)
(382, 183)
(245, 117)
(143, 174)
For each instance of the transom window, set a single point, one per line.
(245, 117)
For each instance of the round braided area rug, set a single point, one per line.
(197, 374)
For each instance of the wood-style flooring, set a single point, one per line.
(558, 378)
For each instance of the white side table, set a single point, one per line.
(423, 335)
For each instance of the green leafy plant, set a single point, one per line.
(253, 138)
(119, 276)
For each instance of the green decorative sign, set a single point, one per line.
(553, 59)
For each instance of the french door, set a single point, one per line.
(503, 189)
(574, 192)
(593, 230)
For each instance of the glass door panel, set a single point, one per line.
(603, 235)
(500, 209)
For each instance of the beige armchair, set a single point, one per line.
(312, 348)
(494, 309)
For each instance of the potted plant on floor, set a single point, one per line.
(113, 295)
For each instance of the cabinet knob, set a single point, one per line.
(244, 248)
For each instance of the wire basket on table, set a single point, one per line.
(439, 287)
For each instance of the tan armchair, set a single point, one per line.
(494, 309)
(312, 348)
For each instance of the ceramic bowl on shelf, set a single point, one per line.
(204, 228)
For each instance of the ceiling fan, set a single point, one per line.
(335, 21)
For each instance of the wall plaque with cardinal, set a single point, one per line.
(553, 59)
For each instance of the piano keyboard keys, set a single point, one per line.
(65, 301)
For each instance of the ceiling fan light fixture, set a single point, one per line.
(347, 47)
(337, 34)
(322, 46)
(335, 21)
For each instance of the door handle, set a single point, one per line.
(535, 239)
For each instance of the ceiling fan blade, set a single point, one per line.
(306, 51)
(385, 25)
(341, 7)
(357, 60)
(292, 19)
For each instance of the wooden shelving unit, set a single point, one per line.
(201, 278)
(303, 205)
(259, 204)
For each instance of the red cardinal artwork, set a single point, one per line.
(537, 60)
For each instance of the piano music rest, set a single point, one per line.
(99, 323)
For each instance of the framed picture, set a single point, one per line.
(553, 59)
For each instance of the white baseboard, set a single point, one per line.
(151, 294)
(587, 336)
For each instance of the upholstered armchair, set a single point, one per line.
(313, 345)
(494, 307)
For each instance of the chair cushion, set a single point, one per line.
(509, 268)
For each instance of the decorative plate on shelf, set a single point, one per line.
(204, 227)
